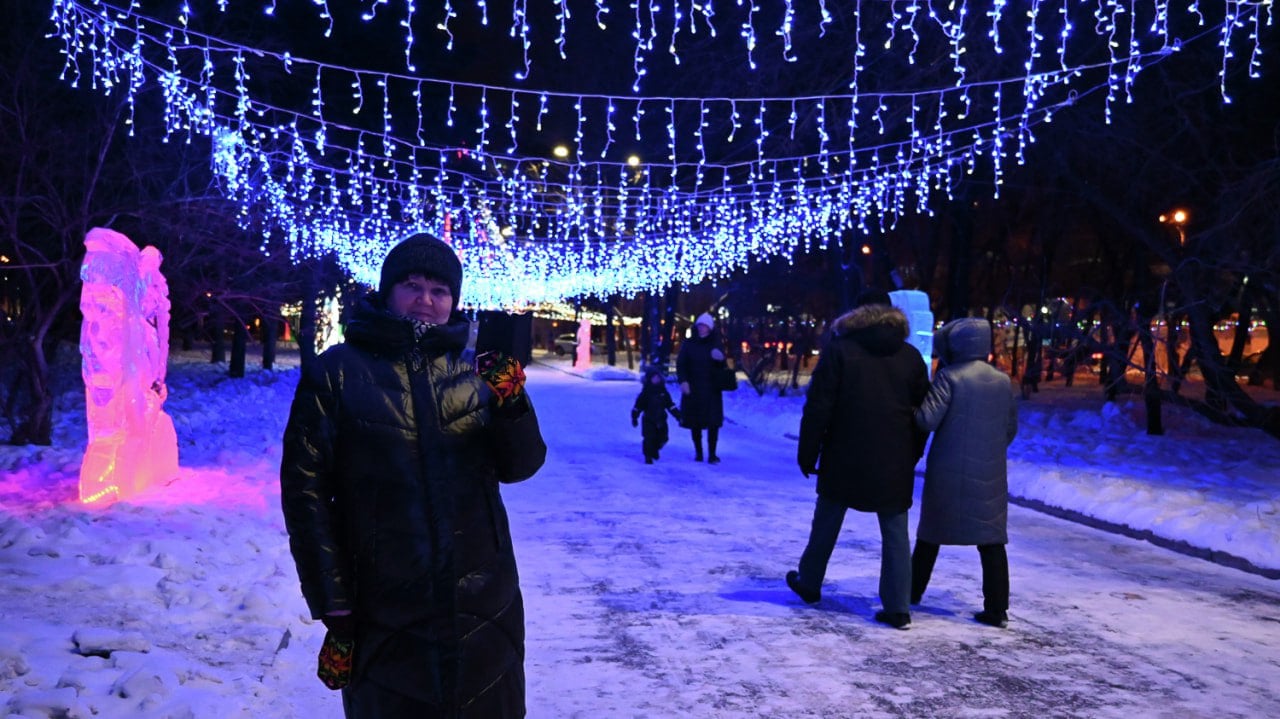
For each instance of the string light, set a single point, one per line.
(334, 178)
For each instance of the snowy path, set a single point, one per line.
(657, 591)
(652, 591)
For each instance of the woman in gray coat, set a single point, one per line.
(971, 410)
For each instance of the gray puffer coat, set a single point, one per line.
(971, 410)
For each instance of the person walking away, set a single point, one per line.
(393, 455)
(650, 413)
(973, 414)
(858, 435)
(701, 402)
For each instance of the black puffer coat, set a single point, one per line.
(857, 427)
(703, 407)
(971, 410)
(389, 485)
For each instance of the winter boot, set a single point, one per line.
(810, 596)
(897, 620)
(1000, 620)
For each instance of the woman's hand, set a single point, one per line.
(684, 388)
(717, 355)
(503, 374)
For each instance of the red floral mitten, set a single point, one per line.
(335, 661)
(503, 374)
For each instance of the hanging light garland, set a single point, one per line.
(344, 160)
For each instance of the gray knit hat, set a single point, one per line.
(421, 254)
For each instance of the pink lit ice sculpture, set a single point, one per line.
(583, 356)
(124, 348)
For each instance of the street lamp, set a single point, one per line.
(1178, 218)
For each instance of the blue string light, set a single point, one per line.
(531, 228)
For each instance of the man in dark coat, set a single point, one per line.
(393, 454)
(858, 435)
(971, 410)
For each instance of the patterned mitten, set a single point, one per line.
(503, 374)
(335, 661)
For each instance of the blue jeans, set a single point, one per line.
(895, 553)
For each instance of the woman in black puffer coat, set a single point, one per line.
(971, 410)
(393, 456)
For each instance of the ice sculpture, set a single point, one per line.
(915, 305)
(583, 356)
(124, 348)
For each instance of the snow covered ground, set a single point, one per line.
(657, 590)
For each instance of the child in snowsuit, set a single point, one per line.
(653, 403)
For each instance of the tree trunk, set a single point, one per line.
(848, 273)
(1244, 318)
(650, 331)
(1221, 390)
(270, 326)
(1269, 361)
(307, 322)
(217, 334)
(958, 280)
(670, 299)
(239, 348)
(35, 423)
(1172, 360)
(610, 338)
(1151, 384)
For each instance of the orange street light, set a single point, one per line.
(1178, 218)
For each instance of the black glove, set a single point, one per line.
(635, 418)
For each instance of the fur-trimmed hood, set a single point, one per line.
(881, 329)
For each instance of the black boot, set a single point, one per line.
(897, 620)
(991, 618)
(810, 596)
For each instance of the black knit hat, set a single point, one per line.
(421, 254)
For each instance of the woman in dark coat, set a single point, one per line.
(701, 404)
(971, 410)
(393, 455)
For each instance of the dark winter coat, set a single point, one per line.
(703, 407)
(389, 485)
(971, 410)
(651, 406)
(857, 428)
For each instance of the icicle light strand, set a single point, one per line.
(368, 154)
